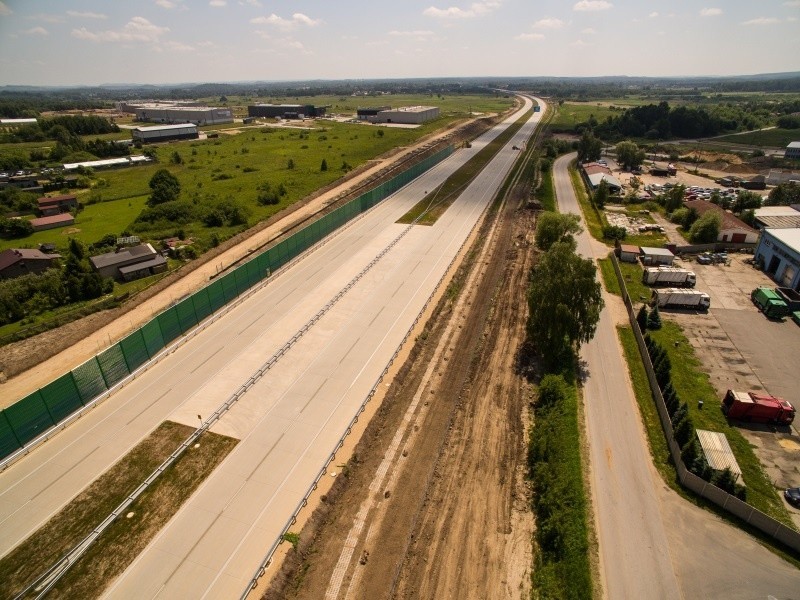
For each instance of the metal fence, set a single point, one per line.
(698, 485)
(34, 418)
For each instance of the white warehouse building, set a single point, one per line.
(199, 115)
(409, 115)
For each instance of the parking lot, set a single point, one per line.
(741, 349)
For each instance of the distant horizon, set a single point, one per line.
(124, 84)
(78, 43)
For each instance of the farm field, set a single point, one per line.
(776, 138)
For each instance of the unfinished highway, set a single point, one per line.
(381, 275)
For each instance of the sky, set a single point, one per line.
(91, 42)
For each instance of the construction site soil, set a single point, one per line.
(435, 500)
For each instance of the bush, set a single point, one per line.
(641, 317)
(614, 232)
(654, 319)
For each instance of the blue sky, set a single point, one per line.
(71, 42)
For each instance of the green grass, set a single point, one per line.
(561, 563)
(594, 219)
(776, 138)
(692, 385)
(435, 203)
(569, 114)
(647, 408)
(546, 193)
(609, 276)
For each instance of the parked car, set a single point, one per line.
(704, 259)
(792, 496)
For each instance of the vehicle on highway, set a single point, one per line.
(792, 496)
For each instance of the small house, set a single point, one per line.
(628, 253)
(717, 452)
(56, 205)
(127, 264)
(52, 222)
(24, 261)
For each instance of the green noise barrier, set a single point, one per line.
(36, 413)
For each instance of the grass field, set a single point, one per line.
(569, 114)
(123, 541)
(773, 138)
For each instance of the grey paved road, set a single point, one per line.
(653, 544)
(289, 421)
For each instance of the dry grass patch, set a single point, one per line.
(122, 542)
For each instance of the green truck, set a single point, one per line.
(769, 302)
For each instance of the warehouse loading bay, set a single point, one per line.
(743, 350)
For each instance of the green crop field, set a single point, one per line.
(775, 138)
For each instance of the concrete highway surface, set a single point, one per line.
(291, 420)
(652, 543)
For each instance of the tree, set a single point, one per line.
(15, 228)
(601, 194)
(629, 154)
(290, 164)
(324, 165)
(165, 188)
(565, 301)
(673, 199)
(641, 317)
(654, 319)
(783, 194)
(176, 158)
(746, 199)
(706, 229)
(590, 147)
(555, 227)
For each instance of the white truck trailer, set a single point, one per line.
(672, 276)
(680, 298)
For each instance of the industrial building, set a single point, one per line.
(778, 253)
(16, 122)
(164, 133)
(56, 205)
(409, 115)
(199, 115)
(369, 114)
(792, 150)
(594, 173)
(656, 256)
(285, 111)
(777, 217)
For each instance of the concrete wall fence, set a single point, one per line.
(36, 417)
(699, 486)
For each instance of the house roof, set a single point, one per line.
(629, 248)
(64, 218)
(729, 221)
(55, 199)
(789, 237)
(14, 255)
(145, 251)
(718, 451)
(793, 145)
(656, 251)
(596, 178)
(153, 262)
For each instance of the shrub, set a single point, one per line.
(614, 232)
(641, 317)
(654, 319)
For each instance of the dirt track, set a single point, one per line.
(436, 503)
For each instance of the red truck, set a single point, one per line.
(758, 408)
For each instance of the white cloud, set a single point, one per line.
(548, 24)
(168, 4)
(138, 29)
(281, 23)
(529, 37)
(790, 3)
(579, 44)
(476, 9)
(653, 15)
(592, 5)
(86, 15)
(256, 3)
(218, 3)
(761, 21)
(418, 33)
(711, 12)
(178, 47)
(589, 31)
(36, 31)
(4, 10)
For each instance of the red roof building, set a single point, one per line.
(18, 262)
(52, 222)
(732, 229)
(55, 205)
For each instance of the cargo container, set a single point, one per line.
(672, 276)
(769, 302)
(789, 296)
(757, 408)
(680, 298)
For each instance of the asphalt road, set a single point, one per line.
(652, 543)
(287, 423)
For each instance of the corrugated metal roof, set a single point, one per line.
(109, 162)
(153, 262)
(790, 237)
(793, 145)
(656, 251)
(62, 218)
(782, 222)
(167, 127)
(718, 451)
